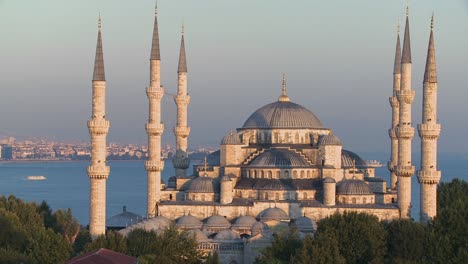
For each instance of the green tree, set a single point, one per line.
(142, 242)
(81, 240)
(112, 240)
(361, 237)
(282, 249)
(66, 225)
(322, 249)
(177, 247)
(406, 241)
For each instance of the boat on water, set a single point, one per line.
(36, 178)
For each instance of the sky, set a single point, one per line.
(337, 56)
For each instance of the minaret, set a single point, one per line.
(181, 131)
(98, 125)
(395, 112)
(405, 132)
(154, 165)
(429, 132)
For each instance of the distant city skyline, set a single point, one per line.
(337, 56)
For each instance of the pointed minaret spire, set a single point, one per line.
(284, 96)
(406, 56)
(397, 64)
(98, 74)
(430, 74)
(155, 55)
(182, 60)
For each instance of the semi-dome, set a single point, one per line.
(202, 184)
(279, 158)
(349, 158)
(226, 235)
(188, 222)
(329, 140)
(217, 221)
(123, 219)
(259, 228)
(353, 186)
(273, 214)
(304, 224)
(282, 114)
(245, 221)
(329, 180)
(231, 139)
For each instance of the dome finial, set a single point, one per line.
(398, 26)
(99, 22)
(156, 8)
(284, 97)
(432, 22)
(407, 8)
(205, 165)
(354, 169)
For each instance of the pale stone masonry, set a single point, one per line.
(395, 113)
(98, 125)
(181, 131)
(429, 131)
(154, 165)
(405, 132)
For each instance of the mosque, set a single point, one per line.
(282, 168)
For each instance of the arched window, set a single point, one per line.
(297, 138)
(270, 174)
(278, 174)
(343, 200)
(354, 200)
(262, 173)
(286, 174)
(294, 174)
(308, 174)
(170, 196)
(304, 195)
(265, 195)
(302, 174)
(255, 174)
(276, 196)
(203, 197)
(364, 200)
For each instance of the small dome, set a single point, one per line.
(231, 139)
(259, 228)
(245, 221)
(329, 180)
(123, 219)
(217, 221)
(199, 235)
(188, 222)
(202, 184)
(157, 223)
(353, 186)
(282, 114)
(329, 140)
(348, 158)
(226, 235)
(304, 224)
(278, 158)
(273, 214)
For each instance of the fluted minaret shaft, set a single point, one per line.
(154, 128)
(98, 126)
(395, 113)
(181, 131)
(405, 132)
(429, 131)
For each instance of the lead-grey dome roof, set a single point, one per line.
(188, 222)
(329, 140)
(226, 235)
(231, 139)
(198, 234)
(304, 224)
(348, 158)
(278, 158)
(217, 221)
(202, 184)
(273, 214)
(353, 186)
(245, 221)
(123, 219)
(282, 115)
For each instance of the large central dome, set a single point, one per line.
(282, 114)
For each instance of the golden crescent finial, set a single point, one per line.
(432, 21)
(156, 8)
(99, 22)
(407, 8)
(183, 28)
(398, 26)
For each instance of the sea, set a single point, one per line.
(67, 184)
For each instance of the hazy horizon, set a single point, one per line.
(337, 55)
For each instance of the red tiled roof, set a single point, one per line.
(103, 256)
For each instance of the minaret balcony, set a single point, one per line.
(405, 96)
(98, 126)
(181, 131)
(429, 131)
(182, 100)
(392, 134)
(404, 171)
(394, 102)
(429, 177)
(390, 166)
(404, 132)
(154, 165)
(154, 129)
(98, 171)
(155, 92)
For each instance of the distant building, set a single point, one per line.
(6, 152)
